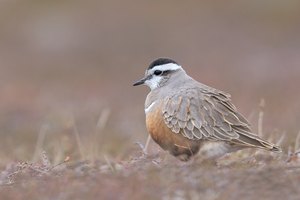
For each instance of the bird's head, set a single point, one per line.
(159, 73)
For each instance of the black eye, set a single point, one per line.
(157, 72)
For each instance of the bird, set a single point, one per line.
(186, 117)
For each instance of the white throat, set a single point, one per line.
(154, 82)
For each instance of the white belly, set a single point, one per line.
(212, 149)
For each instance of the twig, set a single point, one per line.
(145, 149)
(260, 117)
(104, 116)
(102, 121)
(67, 159)
(77, 137)
(282, 137)
(297, 143)
(109, 163)
(40, 141)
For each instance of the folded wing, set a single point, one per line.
(201, 114)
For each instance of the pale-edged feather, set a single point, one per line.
(189, 125)
(209, 116)
(182, 124)
(188, 133)
(182, 112)
(197, 133)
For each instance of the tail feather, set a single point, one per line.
(246, 138)
(259, 143)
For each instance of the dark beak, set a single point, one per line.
(140, 82)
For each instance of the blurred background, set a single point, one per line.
(67, 68)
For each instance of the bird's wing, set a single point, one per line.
(208, 114)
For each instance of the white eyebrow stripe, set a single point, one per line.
(150, 107)
(165, 67)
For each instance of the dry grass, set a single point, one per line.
(241, 176)
(245, 174)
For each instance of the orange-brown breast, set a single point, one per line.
(175, 143)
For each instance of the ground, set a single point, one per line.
(258, 175)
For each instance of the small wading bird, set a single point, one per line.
(185, 117)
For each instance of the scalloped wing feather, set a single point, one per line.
(210, 116)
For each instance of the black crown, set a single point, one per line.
(161, 61)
